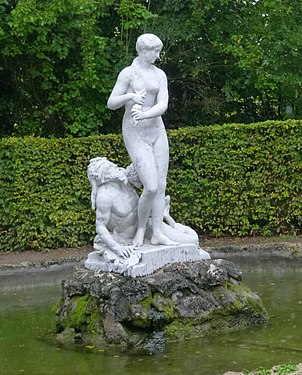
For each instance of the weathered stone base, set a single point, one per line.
(182, 300)
(147, 259)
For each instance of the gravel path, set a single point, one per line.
(288, 246)
(28, 259)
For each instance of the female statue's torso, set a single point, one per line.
(147, 81)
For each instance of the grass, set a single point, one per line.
(283, 369)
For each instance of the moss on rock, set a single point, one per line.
(179, 301)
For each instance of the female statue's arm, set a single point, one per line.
(119, 95)
(161, 105)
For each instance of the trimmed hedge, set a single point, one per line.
(239, 179)
(45, 193)
(234, 179)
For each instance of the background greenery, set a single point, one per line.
(233, 179)
(226, 61)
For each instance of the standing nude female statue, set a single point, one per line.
(142, 89)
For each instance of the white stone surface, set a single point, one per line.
(146, 260)
(116, 204)
(136, 234)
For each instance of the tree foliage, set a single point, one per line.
(232, 60)
(59, 62)
(226, 60)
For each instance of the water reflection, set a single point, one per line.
(25, 318)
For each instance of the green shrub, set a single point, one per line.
(232, 179)
(238, 179)
(45, 193)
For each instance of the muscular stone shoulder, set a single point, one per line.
(105, 198)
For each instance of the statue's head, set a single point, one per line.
(132, 176)
(101, 170)
(148, 42)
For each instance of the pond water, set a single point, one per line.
(26, 319)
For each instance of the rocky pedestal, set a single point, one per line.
(181, 300)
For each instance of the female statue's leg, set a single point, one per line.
(142, 158)
(161, 158)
